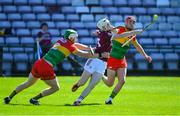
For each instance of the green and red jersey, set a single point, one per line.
(117, 51)
(61, 49)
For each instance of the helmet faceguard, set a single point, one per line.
(130, 22)
(70, 33)
(104, 24)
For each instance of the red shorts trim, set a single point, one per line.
(41, 69)
(114, 64)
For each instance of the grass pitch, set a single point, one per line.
(140, 95)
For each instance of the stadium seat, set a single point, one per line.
(12, 41)
(51, 24)
(148, 3)
(72, 17)
(5, 49)
(176, 26)
(120, 3)
(62, 25)
(111, 10)
(7, 63)
(82, 9)
(10, 9)
(170, 33)
(27, 41)
(144, 19)
(87, 40)
(35, 32)
(33, 24)
(77, 25)
(155, 33)
(87, 17)
(18, 24)
(158, 61)
(78, 3)
(6, 2)
(20, 2)
(43, 17)
(172, 61)
(164, 51)
(49, 2)
(92, 2)
(100, 16)
(2, 41)
(29, 17)
(162, 3)
(83, 32)
(160, 41)
(153, 27)
(68, 10)
(152, 11)
(139, 11)
(165, 26)
(97, 10)
(64, 2)
(119, 24)
(90, 25)
(168, 11)
(175, 3)
(146, 41)
(67, 66)
(106, 3)
(174, 41)
(173, 19)
(35, 2)
(3, 17)
(24, 9)
(23, 32)
(14, 17)
(39, 9)
(16, 50)
(130, 64)
(141, 62)
(54, 32)
(134, 3)
(139, 25)
(125, 10)
(58, 17)
(161, 19)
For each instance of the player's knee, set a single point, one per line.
(110, 84)
(56, 88)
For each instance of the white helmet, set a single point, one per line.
(104, 24)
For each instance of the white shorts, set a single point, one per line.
(95, 65)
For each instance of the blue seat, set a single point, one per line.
(5, 49)
(35, 2)
(155, 33)
(152, 27)
(175, 3)
(166, 50)
(24, 9)
(162, 3)
(100, 16)
(27, 41)
(39, 9)
(50, 24)
(90, 25)
(77, 25)
(106, 3)
(23, 32)
(58, 17)
(55, 39)
(165, 26)
(87, 40)
(148, 3)
(49, 2)
(97, 10)
(18, 24)
(35, 32)
(146, 41)
(82, 9)
(33, 24)
(172, 61)
(174, 41)
(67, 66)
(170, 34)
(173, 19)
(134, 3)
(20, 57)
(158, 61)
(176, 26)
(145, 19)
(20, 2)
(43, 17)
(130, 64)
(3, 17)
(7, 63)
(145, 34)
(160, 41)
(161, 19)
(14, 17)
(2, 41)
(125, 10)
(87, 17)
(62, 25)
(152, 11)
(83, 32)
(72, 17)
(78, 3)
(115, 18)
(120, 3)
(139, 25)
(54, 32)
(111, 10)
(7, 57)
(142, 64)
(119, 24)
(139, 11)
(29, 17)
(12, 41)
(10, 9)
(64, 2)
(168, 11)
(68, 10)
(16, 50)
(92, 2)
(6, 2)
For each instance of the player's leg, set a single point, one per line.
(96, 77)
(109, 80)
(84, 77)
(30, 81)
(54, 87)
(121, 74)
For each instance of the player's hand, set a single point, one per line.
(138, 31)
(148, 58)
(105, 55)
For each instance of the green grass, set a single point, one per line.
(140, 95)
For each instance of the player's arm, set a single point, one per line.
(81, 46)
(140, 49)
(127, 34)
(86, 54)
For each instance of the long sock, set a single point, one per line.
(80, 98)
(113, 94)
(13, 94)
(38, 96)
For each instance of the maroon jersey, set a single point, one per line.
(104, 42)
